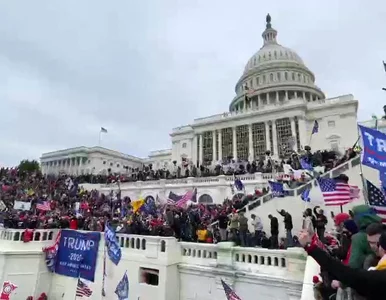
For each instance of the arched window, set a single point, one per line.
(293, 76)
(286, 76)
(278, 76)
(205, 199)
(271, 77)
(183, 145)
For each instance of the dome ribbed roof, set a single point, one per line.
(270, 53)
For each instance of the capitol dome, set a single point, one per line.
(274, 74)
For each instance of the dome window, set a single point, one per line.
(293, 76)
(299, 77)
(286, 76)
(278, 77)
(275, 54)
(271, 77)
(257, 80)
(264, 81)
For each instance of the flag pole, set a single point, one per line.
(364, 190)
(100, 138)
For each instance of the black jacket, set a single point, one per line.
(274, 226)
(369, 284)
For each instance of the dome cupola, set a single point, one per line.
(274, 74)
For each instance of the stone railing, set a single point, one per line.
(309, 185)
(194, 181)
(255, 260)
(167, 251)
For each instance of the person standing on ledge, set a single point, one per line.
(274, 232)
(288, 227)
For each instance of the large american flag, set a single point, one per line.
(376, 200)
(82, 290)
(230, 294)
(185, 198)
(336, 193)
(43, 205)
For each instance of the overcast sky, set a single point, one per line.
(140, 68)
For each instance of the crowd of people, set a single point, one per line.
(61, 202)
(326, 160)
(354, 267)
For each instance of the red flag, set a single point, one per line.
(8, 288)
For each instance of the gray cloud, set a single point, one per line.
(140, 68)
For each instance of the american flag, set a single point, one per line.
(337, 193)
(376, 200)
(82, 290)
(230, 294)
(43, 205)
(185, 198)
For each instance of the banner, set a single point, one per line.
(77, 254)
(22, 205)
(374, 148)
(113, 248)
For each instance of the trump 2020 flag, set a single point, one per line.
(113, 248)
(122, 289)
(277, 189)
(374, 148)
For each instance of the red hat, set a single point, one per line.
(315, 279)
(340, 218)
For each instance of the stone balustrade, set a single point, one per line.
(177, 264)
(194, 181)
(166, 248)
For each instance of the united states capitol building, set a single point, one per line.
(275, 107)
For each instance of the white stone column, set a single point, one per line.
(219, 145)
(303, 136)
(311, 97)
(293, 133)
(251, 155)
(277, 97)
(296, 94)
(259, 100)
(304, 96)
(274, 137)
(200, 157)
(268, 141)
(234, 143)
(286, 95)
(194, 150)
(214, 148)
(80, 165)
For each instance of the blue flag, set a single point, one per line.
(277, 189)
(306, 195)
(122, 289)
(315, 129)
(77, 254)
(374, 148)
(305, 164)
(113, 248)
(239, 184)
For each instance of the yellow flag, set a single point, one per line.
(137, 204)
